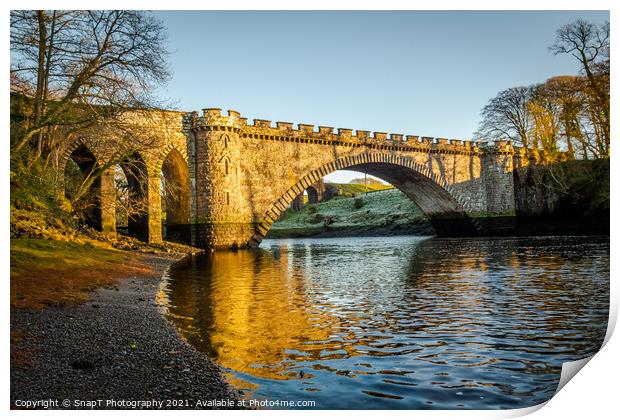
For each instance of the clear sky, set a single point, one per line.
(409, 72)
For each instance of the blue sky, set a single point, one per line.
(410, 72)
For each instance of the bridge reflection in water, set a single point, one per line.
(399, 322)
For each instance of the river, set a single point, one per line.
(396, 322)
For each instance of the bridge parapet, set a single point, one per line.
(212, 117)
(498, 147)
(287, 131)
(284, 126)
(262, 123)
(345, 133)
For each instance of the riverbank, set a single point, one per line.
(390, 213)
(114, 345)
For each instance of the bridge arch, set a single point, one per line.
(78, 162)
(82, 150)
(128, 186)
(175, 193)
(133, 183)
(313, 195)
(429, 191)
(164, 153)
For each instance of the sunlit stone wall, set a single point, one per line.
(237, 177)
(269, 166)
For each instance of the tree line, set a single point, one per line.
(565, 117)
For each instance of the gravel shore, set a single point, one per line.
(117, 346)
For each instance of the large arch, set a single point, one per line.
(87, 160)
(444, 207)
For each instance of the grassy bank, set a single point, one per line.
(382, 212)
(352, 190)
(48, 272)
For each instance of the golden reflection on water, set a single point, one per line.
(401, 320)
(244, 326)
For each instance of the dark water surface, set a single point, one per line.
(398, 322)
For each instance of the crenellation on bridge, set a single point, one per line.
(346, 133)
(379, 136)
(213, 119)
(262, 123)
(284, 126)
(410, 139)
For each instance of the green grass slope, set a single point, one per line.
(351, 190)
(387, 212)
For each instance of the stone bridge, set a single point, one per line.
(235, 179)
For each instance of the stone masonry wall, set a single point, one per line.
(149, 135)
(277, 163)
(243, 176)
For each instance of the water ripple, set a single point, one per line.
(442, 323)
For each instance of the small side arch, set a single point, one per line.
(313, 195)
(158, 162)
(176, 191)
(78, 145)
(72, 181)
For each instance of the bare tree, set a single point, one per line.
(581, 131)
(85, 67)
(75, 71)
(589, 44)
(567, 116)
(506, 116)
